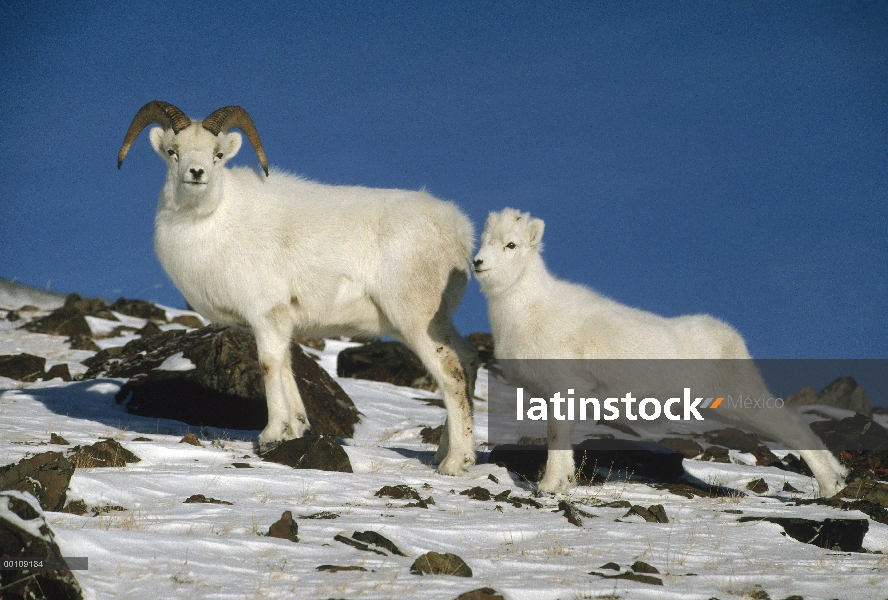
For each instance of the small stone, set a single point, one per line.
(45, 476)
(337, 569)
(398, 492)
(322, 453)
(484, 593)
(371, 537)
(758, 486)
(189, 321)
(285, 528)
(190, 438)
(106, 453)
(788, 488)
(431, 435)
(201, 499)
(477, 493)
(57, 439)
(150, 328)
(59, 371)
(493, 478)
(433, 563)
(611, 566)
(242, 465)
(642, 567)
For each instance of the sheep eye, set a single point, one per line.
(171, 152)
(219, 155)
(510, 245)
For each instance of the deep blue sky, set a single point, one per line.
(687, 157)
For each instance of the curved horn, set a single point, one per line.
(231, 117)
(163, 113)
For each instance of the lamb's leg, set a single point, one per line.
(560, 467)
(286, 413)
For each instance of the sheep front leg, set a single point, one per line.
(560, 467)
(286, 413)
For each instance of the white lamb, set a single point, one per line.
(534, 315)
(284, 255)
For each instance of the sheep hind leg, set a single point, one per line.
(286, 413)
(453, 364)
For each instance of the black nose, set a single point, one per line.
(196, 173)
(478, 262)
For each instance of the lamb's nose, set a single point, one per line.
(197, 173)
(478, 262)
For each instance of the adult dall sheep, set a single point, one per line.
(534, 315)
(284, 255)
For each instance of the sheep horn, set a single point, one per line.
(230, 117)
(163, 113)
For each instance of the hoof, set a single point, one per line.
(553, 486)
(455, 465)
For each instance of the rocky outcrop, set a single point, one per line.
(212, 377)
(45, 476)
(841, 393)
(390, 362)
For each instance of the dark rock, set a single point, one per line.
(225, 389)
(150, 328)
(483, 345)
(99, 362)
(59, 371)
(433, 563)
(644, 459)
(357, 544)
(398, 492)
(22, 367)
(190, 438)
(189, 321)
(375, 539)
(19, 519)
(861, 445)
(201, 499)
(285, 528)
(642, 567)
(45, 476)
(242, 465)
(141, 309)
(108, 508)
(337, 569)
(493, 478)
(391, 362)
(13, 316)
(573, 514)
(685, 447)
(75, 507)
(141, 439)
(734, 438)
(83, 341)
(322, 453)
(611, 566)
(107, 453)
(871, 491)
(477, 493)
(834, 534)
(841, 393)
(324, 514)
(57, 439)
(431, 435)
(640, 578)
(716, 454)
(484, 593)
(788, 488)
(69, 320)
(654, 514)
(758, 486)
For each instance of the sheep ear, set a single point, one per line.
(156, 138)
(535, 232)
(234, 141)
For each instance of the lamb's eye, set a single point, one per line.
(510, 245)
(219, 155)
(171, 152)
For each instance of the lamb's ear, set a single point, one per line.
(234, 141)
(535, 232)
